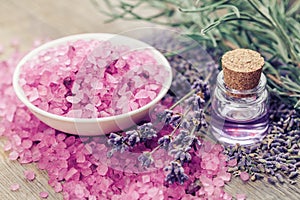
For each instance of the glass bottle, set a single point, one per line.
(239, 116)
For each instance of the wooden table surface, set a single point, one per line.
(27, 20)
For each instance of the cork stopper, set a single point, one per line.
(242, 68)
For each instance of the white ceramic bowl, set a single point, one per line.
(93, 126)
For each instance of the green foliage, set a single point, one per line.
(269, 26)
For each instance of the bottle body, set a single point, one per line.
(239, 116)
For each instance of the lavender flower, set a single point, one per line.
(147, 131)
(164, 141)
(202, 87)
(165, 116)
(175, 120)
(117, 141)
(183, 155)
(176, 173)
(196, 102)
(146, 159)
(132, 137)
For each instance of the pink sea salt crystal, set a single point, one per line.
(26, 144)
(120, 63)
(58, 187)
(232, 163)
(225, 176)
(17, 139)
(70, 173)
(152, 192)
(205, 180)
(218, 182)
(7, 146)
(209, 189)
(13, 155)
(145, 178)
(244, 176)
(102, 169)
(142, 94)
(29, 175)
(14, 187)
(44, 195)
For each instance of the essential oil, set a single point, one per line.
(240, 100)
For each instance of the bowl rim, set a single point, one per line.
(89, 36)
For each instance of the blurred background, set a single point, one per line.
(27, 20)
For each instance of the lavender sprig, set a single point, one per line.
(122, 142)
(176, 173)
(180, 142)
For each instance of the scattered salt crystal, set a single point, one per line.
(142, 94)
(14, 187)
(152, 192)
(44, 195)
(218, 182)
(7, 146)
(232, 163)
(225, 176)
(29, 175)
(73, 99)
(71, 173)
(27, 143)
(102, 169)
(244, 176)
(146, 178)
(120, 63)
(13, 155)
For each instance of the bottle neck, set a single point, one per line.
(241, 94)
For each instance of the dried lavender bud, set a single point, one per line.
(202, 87)
(176, 173)
(164, 141)
(258, 176)
(180, 140)
(254, 169)
(175, 120)
(132, 137)
(232, 169)
(293, 175)
(146, 159)
(147, 131)
(165, 116)
(253, 178)
(272, 180)
(196, 102)
(279, 178)
(117, 142)
(187, 123)
(183, 156)
(199, 120)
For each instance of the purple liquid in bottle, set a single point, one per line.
(242, 120)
